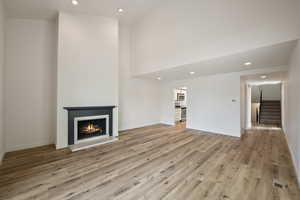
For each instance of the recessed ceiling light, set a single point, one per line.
(265, 83)
(247, 63)
(120, 10)
(263, 76)
(159, 78)
(75, 2)
(192, 73)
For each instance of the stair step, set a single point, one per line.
(270, 117)
(270, 121)
(273, 112)
(270, 114)
(275, 105)
(265, 102)
(270, 106)
(271, 101)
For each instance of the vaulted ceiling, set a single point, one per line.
(176, 37)
(261, 58)
(48, 9)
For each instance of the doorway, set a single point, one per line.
(266, 105)
(180, 106)
(263, 102)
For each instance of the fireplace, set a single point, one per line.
(90, 128)
(89, 123)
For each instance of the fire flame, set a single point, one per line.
(90, 129)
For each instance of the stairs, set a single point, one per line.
(270, 113)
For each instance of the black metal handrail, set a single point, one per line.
(260, 104)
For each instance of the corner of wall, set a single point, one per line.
(2, 64)
(293, 158)
(1, 157)
(292, 128)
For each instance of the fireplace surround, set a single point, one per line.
(89, 123)
(90, 128)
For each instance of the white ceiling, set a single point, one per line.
(272, 78)
(265, 57)
(48, 9)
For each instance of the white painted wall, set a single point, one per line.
(243, 104)
(254, 108)
(271, 92)
(293, 112)
(255, 94)
(209, 103)
(2, 20)
(284, 104)
(246, 102)
(248, 106)
(167, 114)
(211, 107)
(30, 93)
(139, 99)
(88, 54)
(183, 32)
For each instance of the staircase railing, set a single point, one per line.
(260, 104)
(257, 115)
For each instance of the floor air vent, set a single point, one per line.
(279, 184)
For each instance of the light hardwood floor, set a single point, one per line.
(157, 162)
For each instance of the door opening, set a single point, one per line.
(180, 106)
(266, 105)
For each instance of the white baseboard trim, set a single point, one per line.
(138, 126)
(215, 132)
(293, 159)
(168, 124)
(210, 132)
(28, 146)
(294, 164)
(1, 157)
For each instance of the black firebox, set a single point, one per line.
(91, 128)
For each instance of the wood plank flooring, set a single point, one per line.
(156, 162)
